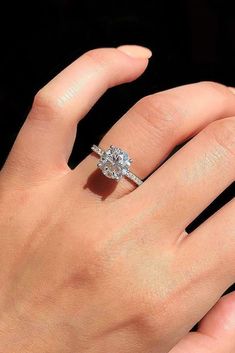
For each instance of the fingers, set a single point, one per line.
(45, 141)
(157, 123)
(192, 178)
(216, 332)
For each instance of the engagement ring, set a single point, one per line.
(114, 163)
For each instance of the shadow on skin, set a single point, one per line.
(100, 185)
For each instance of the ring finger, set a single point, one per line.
(154, 126)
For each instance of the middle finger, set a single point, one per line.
(192, 178)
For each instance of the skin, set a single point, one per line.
(91, 265)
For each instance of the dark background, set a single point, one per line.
(191, 41)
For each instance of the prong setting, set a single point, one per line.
(114, 163)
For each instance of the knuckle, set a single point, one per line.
(212, 85)
(104, 61)
(101, 57)
(45, 106)
(221, 93)
(223, 132)
(161, 111)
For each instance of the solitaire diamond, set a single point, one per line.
(114, 163)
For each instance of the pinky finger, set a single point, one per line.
(216, 331)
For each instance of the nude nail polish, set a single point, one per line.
(136, 51)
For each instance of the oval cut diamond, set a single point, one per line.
(114, 162)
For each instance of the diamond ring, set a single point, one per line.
(114, 163)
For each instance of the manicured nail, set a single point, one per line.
(232, 89)
(136, 51)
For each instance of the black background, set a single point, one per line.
(191, 41)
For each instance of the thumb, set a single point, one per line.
(216, 331)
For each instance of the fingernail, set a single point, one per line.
(232, 89)
(136, 51)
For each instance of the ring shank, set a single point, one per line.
(128, 175)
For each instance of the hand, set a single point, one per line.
(92, 265)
